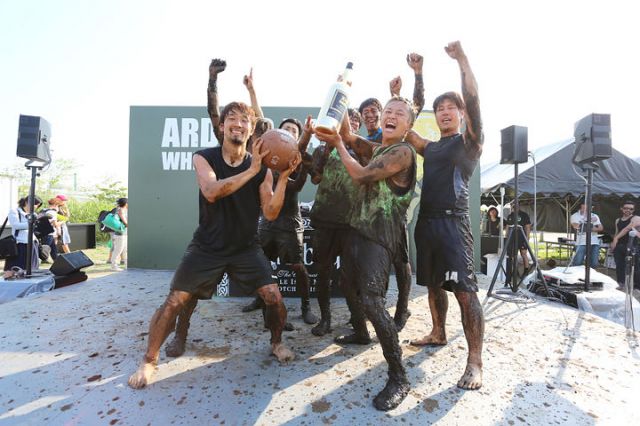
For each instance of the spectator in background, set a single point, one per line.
(119, 239)
(355, 119)
(52, 213)
(579, 222)
(63, 218)
(619, 243)
(17, 218)
(493, 222)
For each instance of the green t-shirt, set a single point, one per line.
(380, 208)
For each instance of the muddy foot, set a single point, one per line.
(392, 395)
(308, 317)
(140, 378)
(400, 319)
(472, 377)
(429, 340)
(321, 329)
(175, 347)
(281, 352)
(352, 339)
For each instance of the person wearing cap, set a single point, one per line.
(63, 218)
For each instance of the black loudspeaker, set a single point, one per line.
(68, 263)
(593, 138)
(514, 145)
(33, 138)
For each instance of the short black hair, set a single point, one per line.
(121, 202)
(294, 121)
(370, 101)
(22, 202)
(452, 96)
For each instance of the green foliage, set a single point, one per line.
(110, 191)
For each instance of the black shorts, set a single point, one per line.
(288, 246)
(328, 244)
(367, 264)
(200, 272)
(445, 253)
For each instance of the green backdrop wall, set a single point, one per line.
(163, 194)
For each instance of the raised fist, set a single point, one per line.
(217, 66)
(454, 50)
(415, 62)
(395, 85)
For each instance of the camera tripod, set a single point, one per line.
(629, 273)
(513, 280)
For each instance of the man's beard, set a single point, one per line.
(236, 140)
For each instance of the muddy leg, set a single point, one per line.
(175, 347)
(473, 325)
(397, 386)
(438, 304)
(403, 278)
(360, 334)
(323, 288)
(162, 323)
(276, 317)
(302, 283)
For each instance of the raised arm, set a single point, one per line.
(390, 163)
(362, 147)
(419, 143)
(214, 189)
(248, 82)
(213, 107)
(272, 199)
(415, 62)
(473, 134)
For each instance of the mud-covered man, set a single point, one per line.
(443, 236)
(371, 110)
(377, 221)
(234, 188)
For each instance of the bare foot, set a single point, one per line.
(140, 378)
(281, 352)
(472, 377)
(429, 340)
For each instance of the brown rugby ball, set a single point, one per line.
(283, 149)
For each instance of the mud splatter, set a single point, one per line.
(430, 405)
(94, 378)
(66, 407)
(320, 406)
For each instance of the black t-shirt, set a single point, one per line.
(289, 219)
(230, 224)
(493, 228)
(622, 242)
(448, 166)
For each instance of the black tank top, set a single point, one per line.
(230, 224)
(622, 242)
(448, 166)
(289, 219)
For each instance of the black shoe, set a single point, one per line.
(392, 395)
(352, 339)
(321, 329)
(253, 306)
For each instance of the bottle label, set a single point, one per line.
(338, 105)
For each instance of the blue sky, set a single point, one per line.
(82, 64)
